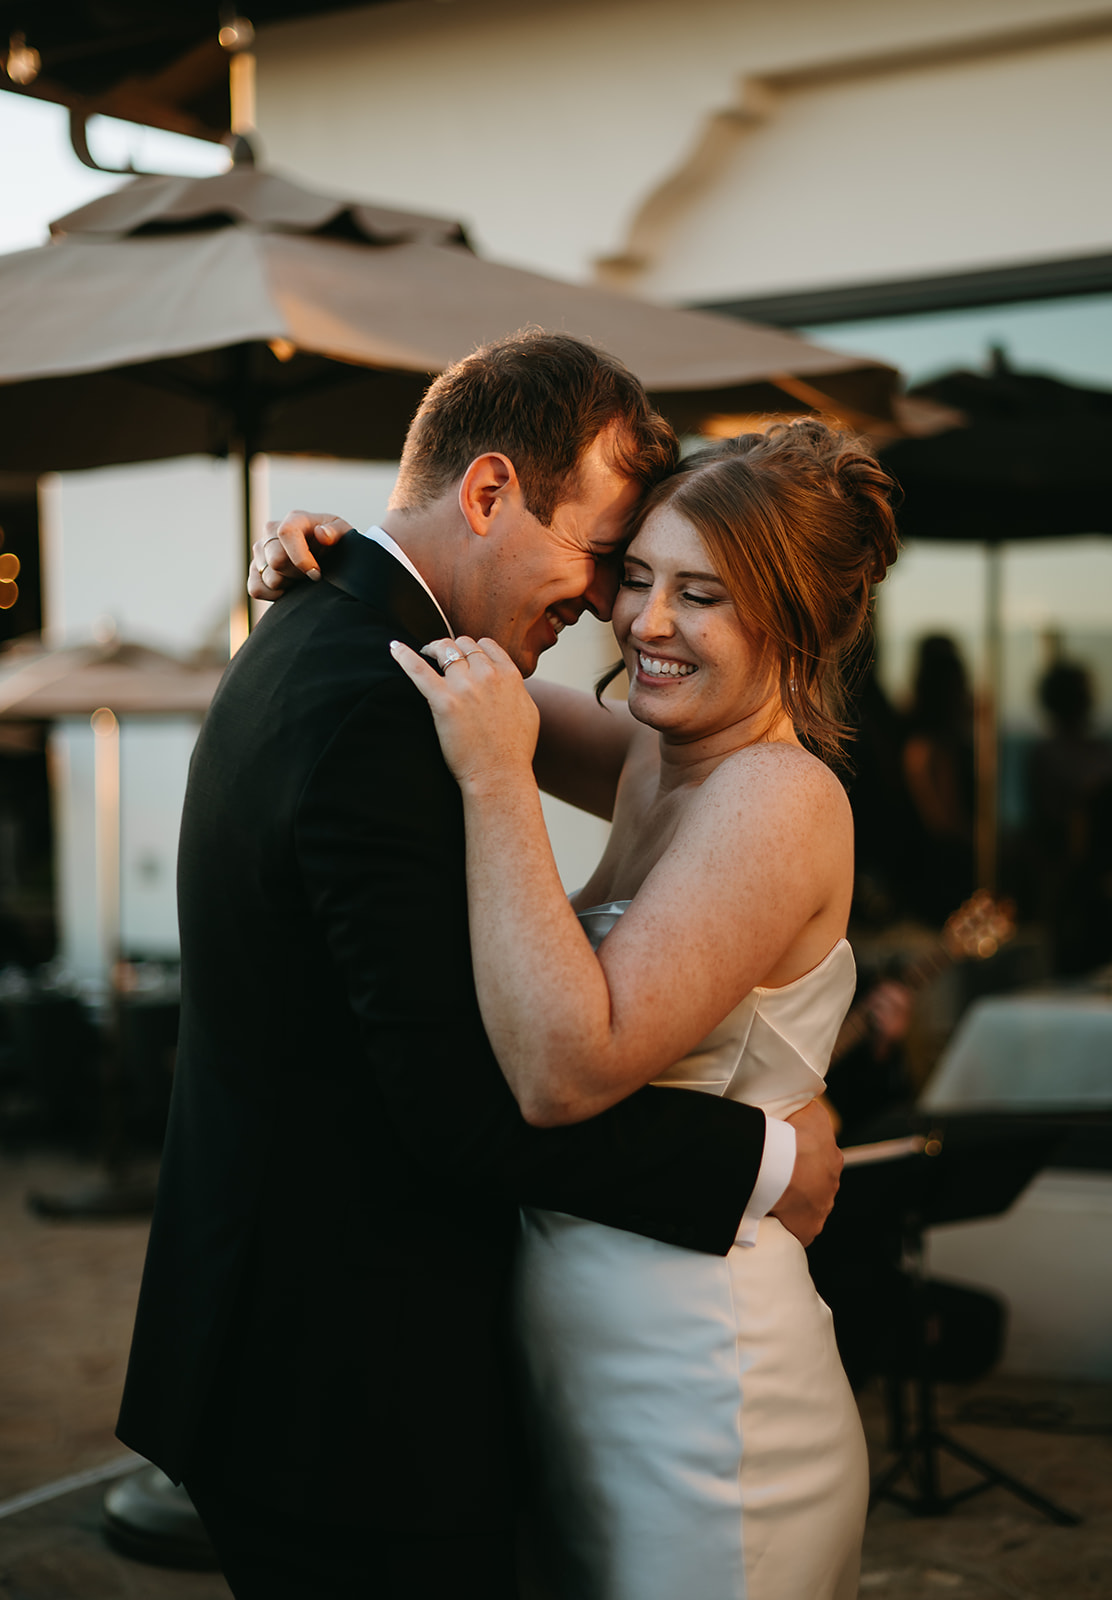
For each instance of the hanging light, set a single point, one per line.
(9, 572)
(237, 35)
(23, 63)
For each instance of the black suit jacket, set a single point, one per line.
(322, 1305)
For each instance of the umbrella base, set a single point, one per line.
(151, 1519)
(99, 1202)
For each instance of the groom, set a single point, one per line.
(319, 1348)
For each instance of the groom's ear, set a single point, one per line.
(487, 491)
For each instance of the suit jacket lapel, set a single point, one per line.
(371, 574)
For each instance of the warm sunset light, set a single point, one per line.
(729, 425)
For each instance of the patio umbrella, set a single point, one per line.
(245, 313)
(1033, 461)
(129, 679)
(105, 681)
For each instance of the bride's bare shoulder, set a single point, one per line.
(782, 775)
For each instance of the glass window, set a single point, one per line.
(1056, 596)
(1067, 338)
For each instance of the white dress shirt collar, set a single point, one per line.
(381, 537)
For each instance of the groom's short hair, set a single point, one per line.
(541, 399)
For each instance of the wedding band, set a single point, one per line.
(452, 655)
(467, 654)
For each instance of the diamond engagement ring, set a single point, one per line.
(452, 655)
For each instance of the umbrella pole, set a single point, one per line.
(240, 620)
(106, 805)
(245, 406)
(988, 726)
(247, 504)
(106, 819)
(247, 500)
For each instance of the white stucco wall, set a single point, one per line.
(870, 139)
(903, 174)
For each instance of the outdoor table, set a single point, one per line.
(54, 1054)
(1045, 1053)
(1048, 1051)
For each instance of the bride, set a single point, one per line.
(693, 1431)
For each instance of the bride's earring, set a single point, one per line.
(791, 683)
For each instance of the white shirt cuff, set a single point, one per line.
(777, 1166)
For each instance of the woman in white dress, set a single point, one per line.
(694, 1432)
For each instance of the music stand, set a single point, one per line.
(969, 1167)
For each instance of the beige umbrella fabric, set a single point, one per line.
(244, 312)
(127, 679)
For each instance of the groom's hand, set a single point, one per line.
(805, 1204)
(286, 552)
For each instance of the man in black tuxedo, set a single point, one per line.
(319, 1347)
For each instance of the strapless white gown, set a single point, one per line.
(693, 1431)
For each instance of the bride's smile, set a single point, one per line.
(694, 668)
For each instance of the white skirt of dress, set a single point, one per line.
(693, 1431)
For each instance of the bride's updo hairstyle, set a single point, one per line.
(799, 524)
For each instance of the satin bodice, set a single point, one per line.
(774, 1047)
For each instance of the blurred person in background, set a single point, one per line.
(938, 771)
(1069, 779)
(868, 1078)
(885, 821)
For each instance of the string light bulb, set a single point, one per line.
(9, 572)
(23, 63)
(239, 34)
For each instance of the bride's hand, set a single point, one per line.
(285, 553)
(485, 718)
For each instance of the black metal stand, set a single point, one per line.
(920, 1449)
(114, 1200)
